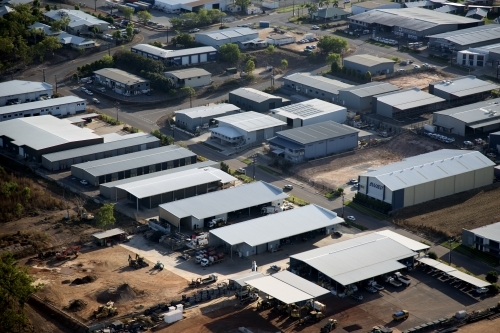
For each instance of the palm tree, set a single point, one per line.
(35, 32)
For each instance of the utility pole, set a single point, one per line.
(342, 205)
(109, 52)
(95, 5)
(451, 243)
(43, 71)
(55, 78)
(254, 161)
(190, 101)
(117, 110)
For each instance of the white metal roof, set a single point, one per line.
(226, 131)
(176, 181)
(300, 283)
(308, 109)
(252, 94)
(119, 75)
(241, 279)
(491, 231)
(17, 87)
(278, 226)
(208, 111)
(108, 233)
(317, 81)
(280, 290)
(464, 86)
(40, 104)
(428, 167)
(408, 242)
(408, 99)
(368, 60)
(77, 17)
(454, 272)
(228, 33)
(43, 132)
(229, 200)
(154, 50)
(250, 121)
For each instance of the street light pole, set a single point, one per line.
(253, 163)
(342, 205)
(451, 242)
(55, 78)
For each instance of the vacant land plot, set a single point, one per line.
(485, 326)
(419, 80)
(447, 216)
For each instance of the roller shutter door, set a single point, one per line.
(185, 60)
(260, 135)
(194, 59)
(203, 57)
(261, 248)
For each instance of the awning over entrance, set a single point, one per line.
(278, 151)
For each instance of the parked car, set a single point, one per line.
(96, 101)
(338, 233)
(400, 315)
(90, 93)
(84, 182)
(194, 30)
(351, 218)
(246, 25)
(241, 170)
(315, 27)
(481, 290)
(353, 181)
(288, 187)
(160, 26)
(276, 268)
(416, 66)
(370, 289)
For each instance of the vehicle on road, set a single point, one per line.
(315, 27)
(338, 233)
(416, 66)
(400, 315)
(288, 187)
(96, 101)
(194, 30)
(276, 268)
(241, 170)
(90, 93)
(351, 218)
(84, 182)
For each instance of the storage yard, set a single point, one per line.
(419, 80)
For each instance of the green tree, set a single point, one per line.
(36, 3)
(144, 16)
(77, 7)
(249, 67)
(270, 49)
(26, 194)
(157, 44)
(47, 8)
(224, 167)
(107, 61)
(36, 32)
(130, 30)
(284, 64)
(187, 91)
(329, 44)
(312, 8)
(332, 58)
(368, 76)
(127, 12)
(117, 34)
(164, 139)
(492, 277)
(229, 53)
(106, 217)
(243, 3)
(184, 39)
(432, 255)
(65, 22)
(56, 26)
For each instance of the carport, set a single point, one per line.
(240, 281)
(453, 272)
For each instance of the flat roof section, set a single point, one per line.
(253, 94)
(208, 111)
(465, 86)
(409, 99)
(454, 272)
(371, 89)
(271, 227)
(17, 87)
(317, 132)
(473, 35)
(228, 33)
(120, 76)
(300, 283)
(475, 113)
(308, 109)
(280, 290)
(108, 233)
(241, 279)
(368, 60)
(154, 50)
(250, 121)
(408, 242)
(194, 50)
(317, 81)
(40, 104)
(188, 73)
(491, 231)
(229, 200)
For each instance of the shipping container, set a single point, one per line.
(264, 24)
(143, 5)
(134, 6)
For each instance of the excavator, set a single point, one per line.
(67, 252)
(138, 262)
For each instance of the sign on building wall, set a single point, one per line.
(375, 189)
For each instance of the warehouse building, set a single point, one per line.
(250, 99)
(190, 77)
(58, 107)
(279, 39)
(202, 117)
(191, 56)
(267, 233)
(479, 56)
(17, 91)
(485, 239)
(133, 164)
(110, 190)
(361, 7)
(427, 177)
(359, 98)
(462, 90)
(313, 141)
(411, 23)
(154, 191)
(36, 136)
(221, 37)
(482, 117)
(310, 112)
(356, 260)
(192, 213)
(406, 103)
(65, 159)
(178, 6)
(243, 129)
(363, 63)
(122, 82)
(314, 86)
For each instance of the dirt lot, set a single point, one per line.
(484, 326)
(419, 80)
(335, 171)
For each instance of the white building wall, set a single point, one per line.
(388, 195)
(445, 187)
(409, 196)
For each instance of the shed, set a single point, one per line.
(362, 63)
(255, 100)
(278, 39)
(359, 98)
(109, 236)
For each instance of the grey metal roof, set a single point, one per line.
(280, 290)
(277, 226)
(250, 121)
(108, 233)
(228, 33)
(43, 132)
(477, 11)
(330, 12)
(418, 4)
(134, 160)
(465, 86)
(120, 76)
(208, 111)
(241, 279)
(17, 87)
(474, 113)
(428, 167)
(454, 272)
(408, 242)
(308, 109)
(491, 231)
(408, 99)
(229, 200)
(368, 60)
(445, 9)
(188, 73)
(317, 82)
(175, 181)
(46, 29)
(357, 259)
(40, 104)
(371, 88)
(418, 19)
(226, 131)
(102, 147)
(371, 4)
(77, 17)
(252, 94)
(194, 50)
(286, 143)
(483, 33)
(317, 132)
(296, 281)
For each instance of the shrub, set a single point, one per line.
(493, 289)
(492, 277)
(432, 255)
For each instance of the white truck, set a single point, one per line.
(402, 278)
(270, 210)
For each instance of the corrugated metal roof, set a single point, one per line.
(44, 131)
(169, 54)
(480, 112)
(286, 143)
(300, 283)
(229, 33)
(477, 11)
(172, 182)
(120, 76)
(77, 17)
(366, 273)
(371, 4)
(188, 73)
(371, 89)
(408, 242)
(428, 167)
(250, 121)
(491, 231)
(318, 82)
(408, 99)
(102, 147)
(279, 290)
(252, 94)
(241, 279)
(208, 111)
(317, 132)
(483, 33)
(134, 160)
(277, 226)
(368, 60)
(445, 9)
(308, 109)
(465, 86)
(108, 233)
(40, 104)
(418, 4)
(17, 87)
(154, 50)
(226, 131)
(454, 272)
(230, 200)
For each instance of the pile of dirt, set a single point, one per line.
(76, 305)
(123, 293)
(85, 279)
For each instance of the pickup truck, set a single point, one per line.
(402, 278)
(395, 283)
(210, 279)
(400, 315)
(375, 285)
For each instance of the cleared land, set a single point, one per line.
(484, 326)
(418, 80)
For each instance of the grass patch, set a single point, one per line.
(425, 242)
(247, 161)
(454, 245)
(355, 225)
(378, 43)
(476, 254)
(297, 201)
(240, 176)
(268, 170)
(331, 195)
(286, 9)
(366, 210)
(211, 147)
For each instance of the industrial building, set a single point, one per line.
(310, 112)
(122, 82)
(411, 23)
(427, 177)
(33, 137)
(203, 116)
(361, 7)
(154, 191)
(110, 190)
(192, 213)
(314, 86)
(103, 238)
(243, 129)
(494, 141)
(178, 6)
(266, 233)
(462, 90)
(191, 56)
(313, 141)
(221, 37)
(190, 77)
(330, 14)
(250, 99)
(481, 117)
(80, 22)
(133, 164)
(58, 107)
(363, 63)
(279, 39)
(406, 103)
(479, 56)
(359, 98)
(356, 260)
(485, 239)
(17, 91)
(65, 159)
